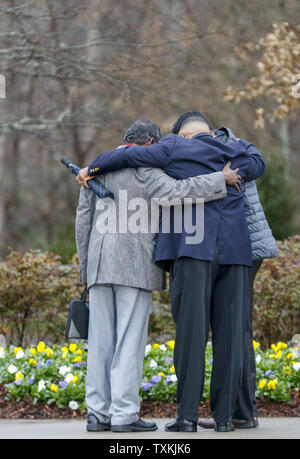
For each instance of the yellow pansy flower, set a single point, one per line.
(262, 383)
(17, 349)
(41, 347)
(278, 355)
(287, 370)
(78, 351)
(155, 346)
(256, 344)
(19, 375)
(32, 362)
(54, 388)
(75, 378)
(65, 353)
(171, 344)
(272, 384)
(49, 352)
(274, 347)
(290, 355)
(77, 359)
(64, 349)
(172, 369)
(32, 351)
(161, 373)
(281, 345)
(73, 347)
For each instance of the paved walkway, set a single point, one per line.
(282, 428)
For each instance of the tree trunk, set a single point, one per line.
(2, 200)
(285, 142)
(285, 138)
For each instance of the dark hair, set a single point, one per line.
(186, 118)
(141, 131)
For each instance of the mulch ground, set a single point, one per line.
(26, 410)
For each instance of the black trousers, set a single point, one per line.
(246, 403)
(204, 292)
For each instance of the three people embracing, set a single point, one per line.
(209, 178)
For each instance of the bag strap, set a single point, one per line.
(84, 294)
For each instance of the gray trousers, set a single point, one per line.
(117, 339)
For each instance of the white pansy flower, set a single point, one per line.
(2, 352)
(41, 385)
(148, 349)
(296, 366)
(12, 369)
(258, 358)
(20, 354)
(173, 378)
(153, 364)
(162, 347)
(63, 370)
(73, 405)
(69, 378)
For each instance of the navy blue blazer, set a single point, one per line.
(225, 225)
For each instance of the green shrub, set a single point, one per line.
(277, 191)
(34, 293)
(277, 295)
(35, 289)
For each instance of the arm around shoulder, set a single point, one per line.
(160, 185)
(256, 166)
(155, 155)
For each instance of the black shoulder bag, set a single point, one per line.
(78, 318)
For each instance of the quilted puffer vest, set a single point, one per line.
(262, 240)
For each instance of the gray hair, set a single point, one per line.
(142, 131)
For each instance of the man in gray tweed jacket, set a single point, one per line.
(119, 271)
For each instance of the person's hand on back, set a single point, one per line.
(231, 176)
(83, 177)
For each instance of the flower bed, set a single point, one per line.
(56, 375)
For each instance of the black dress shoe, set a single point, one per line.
(224, 427)
(137, 426)
(241, 424)
(209, 423)
(94, 425)
(181, 425)
(206, 423)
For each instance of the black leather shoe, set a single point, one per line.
(181, 425)
(224, 427)
(206, 423)
(137, 426)
(209, 423)
(94, 425)
(241, 424)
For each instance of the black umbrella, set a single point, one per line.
(93, 184)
